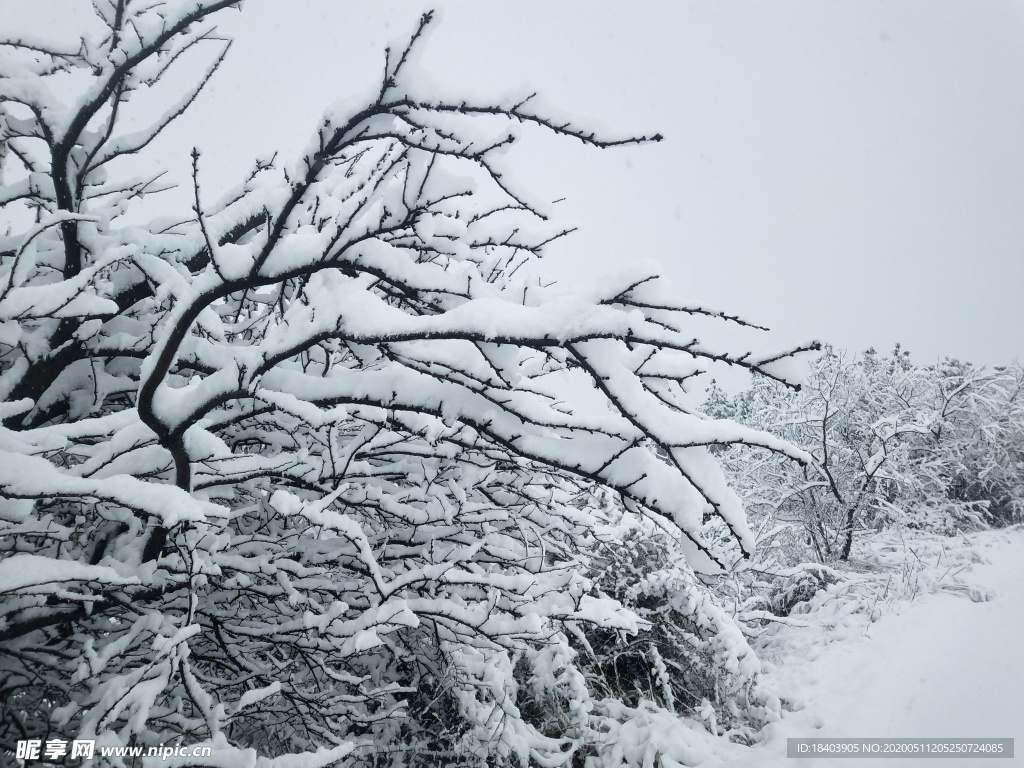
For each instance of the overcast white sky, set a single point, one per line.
(851, 171)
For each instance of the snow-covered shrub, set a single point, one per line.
(692, 658)
(968, 466)
(797, 589)
(296, 474)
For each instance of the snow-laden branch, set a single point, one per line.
(318, 466)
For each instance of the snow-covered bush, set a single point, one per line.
(693, 656)
(968, 466)
(298, 474)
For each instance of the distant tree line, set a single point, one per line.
(935, 447)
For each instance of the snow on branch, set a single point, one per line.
(315, 467)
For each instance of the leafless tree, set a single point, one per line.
(303, 470)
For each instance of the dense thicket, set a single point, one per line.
(315, 470)
(937, 447)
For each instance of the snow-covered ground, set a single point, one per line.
(924, 639)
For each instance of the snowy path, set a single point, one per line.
(939, 666)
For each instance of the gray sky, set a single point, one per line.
(850, 171)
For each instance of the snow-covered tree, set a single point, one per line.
(838, 418)
(934, 447)
(304, 471)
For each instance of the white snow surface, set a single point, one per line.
(922, 640)
(941, 660)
